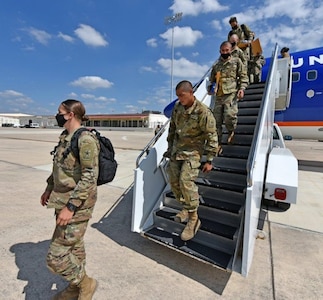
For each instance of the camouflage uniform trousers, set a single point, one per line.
(225, 110)
(182, 175)
(66, 254)
(254, 72)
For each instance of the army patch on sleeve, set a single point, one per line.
(86, 154)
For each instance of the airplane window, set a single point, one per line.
(296, 76)
(311, 75)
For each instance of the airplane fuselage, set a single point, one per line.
(303, 118)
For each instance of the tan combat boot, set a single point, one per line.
(87, 288)
(70, 293)
(191, 227)
(182, 216)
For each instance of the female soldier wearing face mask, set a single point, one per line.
(231, 79)
(72, 191)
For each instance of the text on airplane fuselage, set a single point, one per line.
(312, 60)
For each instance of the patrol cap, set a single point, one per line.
(283, 50)
(233, 19)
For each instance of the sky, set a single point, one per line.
(116, 55)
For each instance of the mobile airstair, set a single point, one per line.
(230, 195)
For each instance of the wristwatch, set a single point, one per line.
(71, 207)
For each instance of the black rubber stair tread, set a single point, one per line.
(238, 151)
(256, 85)
(222, 205)
(223, 180)
(258, 91)
(229, 164)
(247, 120)
(248, 111)
(243, 129)
(206, 225)
(256, 103)
(222, 195)
(215, 201)
(238, 139)
(208, 254)
(251, 97)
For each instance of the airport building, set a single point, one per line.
(146, 119)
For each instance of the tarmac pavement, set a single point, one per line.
(287, 264)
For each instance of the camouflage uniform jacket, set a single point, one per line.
(192, 131)
(243, 32)
(233, 75)
(237, 52)
(72, 180)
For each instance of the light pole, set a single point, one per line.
(168, 21)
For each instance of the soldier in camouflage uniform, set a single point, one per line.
(192, 132)
(232, 81)
(72, 191)
(255, 68)
(244, 33)
(236, 51)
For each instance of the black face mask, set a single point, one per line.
(235, 27)
(233, 44)
(60, 120)
(225, 55)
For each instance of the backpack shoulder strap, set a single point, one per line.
(74, 147)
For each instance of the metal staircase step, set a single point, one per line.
(229, 164)
(247, 120)
(208, 254)
(238, 151)
(253, 91)
(250, 103)
(211, 195)
(251, 98)
(223, 180)
(256, 85)
(209, 198)
(211, 226)
(248, 111)
(239, 139)
(243, 129)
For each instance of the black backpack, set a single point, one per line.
(107, 163)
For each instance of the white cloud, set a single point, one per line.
(90, 36)
(147, 69)
(143, 102)
(87, 96)
(216, 24)
(183, 68)
(65, 37)
(163, 101)
(10, 94)
(15, 99)
(72, 95)
(152, 42)
(194, 8)
(40, 36)
(131, 109)
(183, 36)
(92, 82)
(105, 99)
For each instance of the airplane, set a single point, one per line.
(301, 115)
